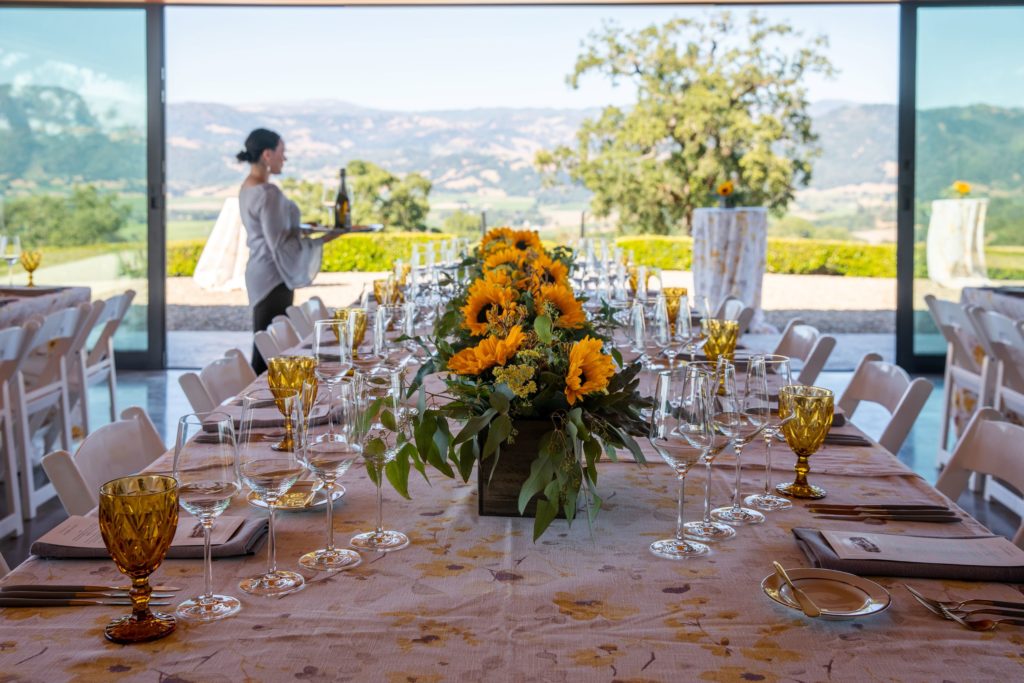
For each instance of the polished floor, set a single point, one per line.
(162, 397)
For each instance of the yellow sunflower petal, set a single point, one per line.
(589, 369)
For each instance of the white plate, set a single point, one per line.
(837, 594)
(301, 488)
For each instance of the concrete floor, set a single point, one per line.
(162, 397)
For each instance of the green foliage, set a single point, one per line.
(795, 226)
(372, 252)
(183, 256)
(461, 222)
(712, 104)
(309, 196)
(86, 216)
(379, 196)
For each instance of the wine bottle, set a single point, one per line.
(342, 206)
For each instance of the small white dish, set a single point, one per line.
(837, 594)
(300, 491)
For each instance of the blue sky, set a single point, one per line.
(441, 58)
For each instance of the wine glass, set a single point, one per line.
(691, 338)
(720, 338)
(638, 333)
(355, 321)
(768, 369)
(664, 331)
(138, 517)
(30, 260)
(811, 409)
(328, 454)
(333, 358)
(711, 444)
(679, 419)
(378, 392)
(269, 474)
(291, 373)
(207, 474)
(389, 325)
(12, 258)
(735, 416)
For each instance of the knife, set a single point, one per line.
(838, 509)
(806, 604)
(867, 516)
(81, 595)
(35, 602)
(75, 589)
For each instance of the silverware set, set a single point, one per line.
(936, 514)
(52, 595)
(955, 611)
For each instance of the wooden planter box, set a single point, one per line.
(499, 493)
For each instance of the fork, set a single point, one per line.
(937, 606)
(979, 624)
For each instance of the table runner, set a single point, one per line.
(473, 599)
(18, 304)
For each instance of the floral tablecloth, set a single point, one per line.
(475, 599)
(730, 248)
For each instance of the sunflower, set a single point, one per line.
(725, 189)
(488, 353)
(547, 271)
(485, 299)
(499, 277)
(526, 239)
(496, 238)
(504, 257)
(962, 188)
(589, 369)
(562, 300)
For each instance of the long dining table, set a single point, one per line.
(474, 598)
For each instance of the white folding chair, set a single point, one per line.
(733, 308)
(4, 569)
(890, 386)
(315, 309)
(95, 362)
(41, 395)
(299, 320)
(963, 368)
(806, 344)
(115, 450)
(221, 379)
(284, 334)
(1002, 338)
(14, 342)
(266, 345)
(990, 445)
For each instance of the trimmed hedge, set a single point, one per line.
(375, 252)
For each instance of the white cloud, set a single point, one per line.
(103, 94)
(9, 59)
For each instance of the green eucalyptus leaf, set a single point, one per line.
(546, 513)
(467, 458)
(397, 472)
(497, 433)
(387, 418)
(542, 326)
(474, 425)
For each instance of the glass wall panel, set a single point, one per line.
(969, 183)
(73, 151)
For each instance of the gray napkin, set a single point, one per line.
(243, 542)
(846, 440)
(821, 555)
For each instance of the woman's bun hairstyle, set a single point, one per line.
(258, 141)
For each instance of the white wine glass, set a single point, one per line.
(269, 474)
(12, 257)
(333, 356)
(674, 416)
(736, 417)
(378, 392)
(328, 454)
(768, 372)
(206, 468)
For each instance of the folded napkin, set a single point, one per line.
(243, 542)
(847, 440)
(265, 417)
(821, 555)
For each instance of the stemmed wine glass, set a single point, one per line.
(377, 393)
(333, 358)
(207, 474)
(714, 442)
(679, 428)
(638, 333)
(13, 257)
(665, 331)
(270, 474)
(389, 324)
(328, 454)
(736, 417)
(762, 368)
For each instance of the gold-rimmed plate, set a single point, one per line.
(837, 594)
(303, 495)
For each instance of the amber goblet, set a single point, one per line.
(30, 260)
(386, 292)
(673, 296)
(286, 374)
(811, 408)
(355, 321)
(138, 516)
(721, 338)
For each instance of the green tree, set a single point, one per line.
(87, 216)
(712, 103)
(461, 222)
(309, 196)
(380, 196)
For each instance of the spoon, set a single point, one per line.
(806, 604)
(980, 624)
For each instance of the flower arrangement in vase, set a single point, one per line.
(529, 383)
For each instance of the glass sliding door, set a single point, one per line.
(968, 203)
(74, 130)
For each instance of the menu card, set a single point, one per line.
(84, 532)
(993, 551)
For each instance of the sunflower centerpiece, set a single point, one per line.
(531, 394)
